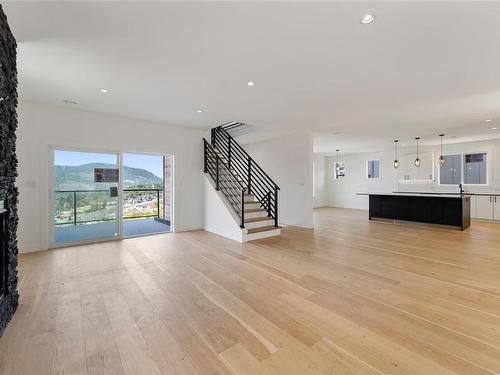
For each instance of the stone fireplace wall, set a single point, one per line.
(8, 164)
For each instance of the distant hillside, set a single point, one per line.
(81, 177)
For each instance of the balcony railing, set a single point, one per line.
(73, 207)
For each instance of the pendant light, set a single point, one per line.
(396, 161)
(417, 160)
(337, 165)
(441, 160)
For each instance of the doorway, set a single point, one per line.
(99, 196)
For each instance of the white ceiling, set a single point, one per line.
(420, 69)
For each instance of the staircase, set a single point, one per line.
(247, 189)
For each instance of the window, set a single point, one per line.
(338, 173)
(469, 169)
(373, 169)
(451, 172)
(475, 169)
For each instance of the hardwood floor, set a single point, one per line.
(350, 297)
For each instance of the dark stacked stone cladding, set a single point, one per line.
(8, 164)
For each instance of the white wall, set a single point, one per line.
(320, 189)
(288, 161)
(219, 215)
(41, 126)
(342, 193)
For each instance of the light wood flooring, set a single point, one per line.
(350, 297)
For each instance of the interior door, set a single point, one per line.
(85, 197)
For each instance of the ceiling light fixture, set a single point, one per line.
(103, 91)
(396, 161)
(367, 18)
(417, 160)
(199, 111)
(337, 165)
(251, 83)
(494, 128)
(441, 160)
(488, 120)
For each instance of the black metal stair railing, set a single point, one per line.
(248, 173)
(225, 180)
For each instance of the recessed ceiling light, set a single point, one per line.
(488, 120)
(494, 128)
(251, 83)
(368, 18)
(69, 102)
(104, 91)
(199, 111)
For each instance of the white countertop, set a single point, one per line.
(423, 194)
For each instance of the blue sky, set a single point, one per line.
(152, 163)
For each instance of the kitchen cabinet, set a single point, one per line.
(473, 206)
(496, 207)
(408, 171)
(485, 205)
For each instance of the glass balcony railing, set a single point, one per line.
(74, 207)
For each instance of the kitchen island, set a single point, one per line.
(445, 209)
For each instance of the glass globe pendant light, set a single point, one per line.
(417, 160)
(441, 159)
(396, 161)
(337, 165)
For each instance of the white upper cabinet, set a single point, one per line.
(408, 171)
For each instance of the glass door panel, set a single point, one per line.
(146, 194)
(86, 203)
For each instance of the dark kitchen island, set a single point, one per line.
(444, 209)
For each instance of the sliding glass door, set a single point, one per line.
(86, 204)
(98, 196)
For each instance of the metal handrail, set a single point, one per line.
(225, 180)
(75, 213)
(242, 150)
(255, 179)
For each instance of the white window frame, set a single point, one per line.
(379, 170)
(461, 168)
(462, 175)
(487, 168)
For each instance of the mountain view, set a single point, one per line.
(81, 177)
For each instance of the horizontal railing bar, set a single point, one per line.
(82, 191)
(242, 160)
(237, 146)
(104, 220)
(262, 182)
(138, 217)
(142, 190)
(223, 165)
(101, 190)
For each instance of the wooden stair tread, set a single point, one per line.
(254, 210)
(255, 219)
(262, 229)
